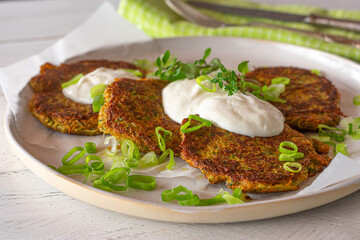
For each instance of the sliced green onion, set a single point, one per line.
(160, 138)
(273, 92)
(201, 79)
(256, 89)
(135, 72)
(355, 135)
(131, 162)
(114, 143)
(72, 81)
(204, 123)
(97, 90)
(81, 153)
(291, 157)
(167, 195)
(288, 166)
(194, 201)
(179, 193)
(90, 147)
(211, 201)
(280, 80)
(336, 134)
(320, 138)
(148, 160)
(288, 144)
(230, 199)
(164, 155)
(316, 71)
(341, 148)
(356, 100)
(98, 184)
(98, 102)
(147, 183)
(73, 169)
(129, 149)
(96, 164)
(116, 176)
(118, 162)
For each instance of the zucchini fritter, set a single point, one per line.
(251, 163)
(57, 112)
(133, 109)
(310, 99)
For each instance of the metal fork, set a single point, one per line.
(191, 14)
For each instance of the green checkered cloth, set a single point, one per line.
(158, 21)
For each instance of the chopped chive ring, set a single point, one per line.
(147, 183)
(73, 169)
(129, 149)
(98, 102)
(131, 162)
(204, 78)
(356, 100)
(336, 134)
(90, 147)
(96, 162)
(341, 148)
(149, 160)
(280, 80)
(97, 90)
(81, 153)
(114, 143)
(116, 176)
(164, 155)
(204, 123)
(292, 167)
(72, 81)
(160, 138)
(284, 150)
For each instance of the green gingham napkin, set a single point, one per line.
(157, 20)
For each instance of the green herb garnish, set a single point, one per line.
(171, 69)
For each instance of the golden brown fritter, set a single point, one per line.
(57, 112)
(250, 163)
(310, 99)
(133, 109)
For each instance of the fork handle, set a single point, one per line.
(324, 36)
(333, 22)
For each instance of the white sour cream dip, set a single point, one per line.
(239, 113)
(81, 91)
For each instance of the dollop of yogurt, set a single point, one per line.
(239, 113)
(81, 91)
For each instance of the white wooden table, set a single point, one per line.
(31, 209)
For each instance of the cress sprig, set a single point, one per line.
(171, 69)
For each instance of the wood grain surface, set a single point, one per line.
(31, 209)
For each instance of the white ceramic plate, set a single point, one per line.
(38, 146)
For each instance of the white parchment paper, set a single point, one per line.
(106, 35)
